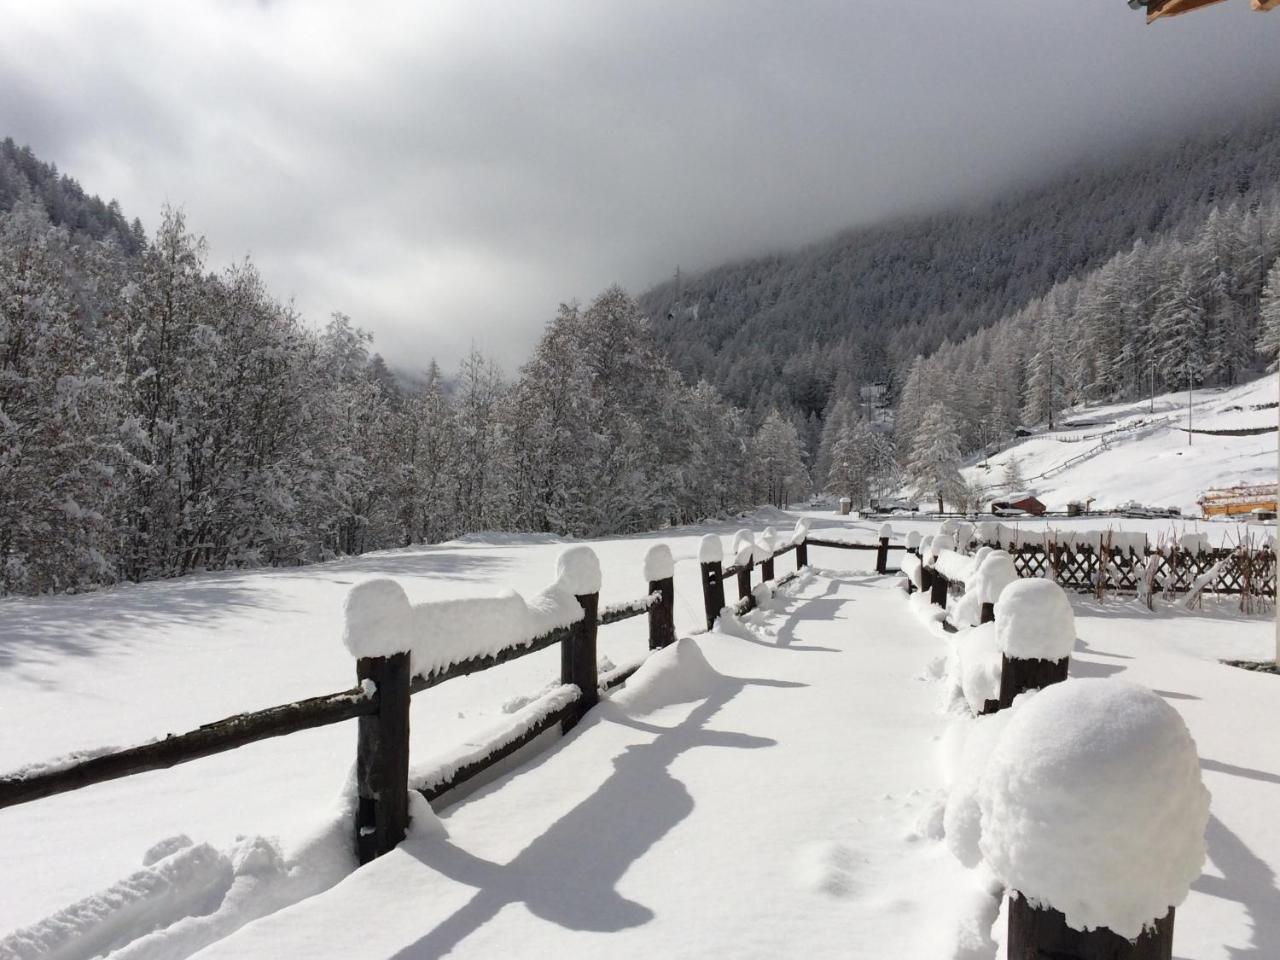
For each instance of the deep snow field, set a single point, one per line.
(770, 789)
(1130, 452)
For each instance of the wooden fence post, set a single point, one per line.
(882, 555)
(1038, 932)
(382, 758)
(802, 554)
(744, 583)
(766, 569)
(712, 590)
(662, 620)
(988, 614)
(1019, 676)
(578, 660)
(938, 586)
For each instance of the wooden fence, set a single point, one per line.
(380, 703)
(1081, 567)
(714, 573)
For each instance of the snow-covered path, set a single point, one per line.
(751, 803)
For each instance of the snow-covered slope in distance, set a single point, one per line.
(1139, 451)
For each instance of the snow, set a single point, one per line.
(1092, 803)
(378, 620)
(995, 572)
(953, 566)
(962, 817)
(1034, 621)
(911, 566)
(710, 550)
(979, 658)
(640, 819)
(1144, 456)
(886, 531)
(744, 547)
(442, 767)
(578, 571)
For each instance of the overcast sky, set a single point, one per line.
(447, 173)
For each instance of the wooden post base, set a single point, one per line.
(1019, 676)
(1041, 933)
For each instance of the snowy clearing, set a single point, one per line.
(1130, 452)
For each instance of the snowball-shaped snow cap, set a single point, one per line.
(801, 531)
(769, 538)
(886, 530)
(578, 571)
(1092, 803)
(1034, 621)
(658, 563)
(995, 572)
(913, 539)
(710, 550)
(742, 538)
(378, 619)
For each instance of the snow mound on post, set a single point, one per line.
(450, 631)
(658, 563)
(995, 572)
(1034, 621)
(886, 530)
(578, 571)
(710, 550)
(1092, 803)
(954, 566)
(801, 531)
(744, 547)
(911, 567)
(378, 619)
(913, 539)
(678, 673)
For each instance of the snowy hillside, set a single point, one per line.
(774, 786)
(1131, 451)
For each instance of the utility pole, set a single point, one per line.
(1188, 403)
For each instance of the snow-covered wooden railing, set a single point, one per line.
(882, 546)
(403, 649)
(749, 554)
(1059, 792)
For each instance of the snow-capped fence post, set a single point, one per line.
(882, 553)
(766, 569)
(578, 570)
(800, 537)
(938, 588)
(578, 659)
(744, 582)
(382, 758)
(711, 562)
(659, 570)
(1093, 818)
(1035, 631)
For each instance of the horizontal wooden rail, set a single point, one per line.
(842, 545)
(737, 568)
(549, 721)
(475, 664)
(617, 612)
(228, 734)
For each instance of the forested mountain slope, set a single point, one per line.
(789, 329)
(23, 176)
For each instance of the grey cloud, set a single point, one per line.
(446, 173)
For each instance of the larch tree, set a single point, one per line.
(933, 468)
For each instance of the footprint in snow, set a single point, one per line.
(827, 868)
